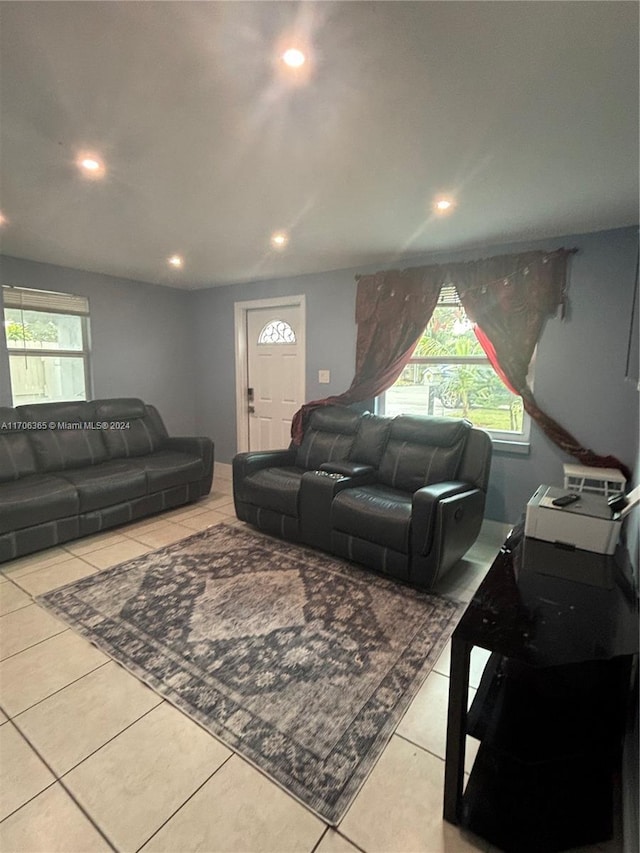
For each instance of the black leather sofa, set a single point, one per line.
(71, 469)
(404, 496)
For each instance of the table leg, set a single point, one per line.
(456, 729)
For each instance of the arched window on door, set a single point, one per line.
(277, 332)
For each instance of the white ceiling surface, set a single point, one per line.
(525, 112)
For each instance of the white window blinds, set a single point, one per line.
(44, 300)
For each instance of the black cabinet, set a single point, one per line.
(549, 712)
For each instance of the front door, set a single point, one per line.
(275, 382)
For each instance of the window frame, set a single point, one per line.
(49, 302)
(513, 442)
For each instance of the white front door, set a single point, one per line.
(275, 373)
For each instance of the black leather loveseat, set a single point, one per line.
(72, 469)
(404, 496)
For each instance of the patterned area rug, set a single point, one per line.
(302, 663)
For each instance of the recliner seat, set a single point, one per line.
(267, 495)
(404, 496)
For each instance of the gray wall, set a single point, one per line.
(330, 333)
(579, 373)
(176, 350)
(140, 338)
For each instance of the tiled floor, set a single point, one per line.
(94, 760)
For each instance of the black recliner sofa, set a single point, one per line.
(73, 469)
(404, 496)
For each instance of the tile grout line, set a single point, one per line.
(16, 580)
(418, 746)
(57, 780)
(38, 642)
(182, 805)
(339, 833)
(60, 776)
(17, 586)
(114, 530)
(112, 738)
(320, 840)
(43, 698)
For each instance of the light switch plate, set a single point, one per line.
(324, 377)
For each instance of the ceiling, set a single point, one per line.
(525, 114)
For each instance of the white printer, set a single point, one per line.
(575, 540)
(588, 523)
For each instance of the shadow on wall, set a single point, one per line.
(496, 504)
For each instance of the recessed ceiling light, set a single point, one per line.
(442, 205)
(175, 261)
(293, 57)
(91, 166)
(3, 219)
(279, 239)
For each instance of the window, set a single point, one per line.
(48, 344)
(277, 332)
(449, 375)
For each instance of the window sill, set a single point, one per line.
(517, 448)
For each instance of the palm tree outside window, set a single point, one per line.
(449, 375)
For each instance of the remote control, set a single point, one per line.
(565, 500)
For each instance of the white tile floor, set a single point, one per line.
(94, 760)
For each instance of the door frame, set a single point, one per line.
(240, 311)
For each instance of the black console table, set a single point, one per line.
(550, 709)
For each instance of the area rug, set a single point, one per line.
(302, 663)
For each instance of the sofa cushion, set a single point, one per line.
(120, 408)
(329, 436)
(108, 483)
(441, 432)
(36, 499)
(376, 513)
(72, 411)
(16, 456)
(421, 451)
(168, 468)
(132, 429)
(275, 489)
(70, 441)
(371, 439)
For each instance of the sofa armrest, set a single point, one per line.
(245, 464)
(347, 469)
(317, 491)
(198, 446)
(248, 463)
(425, 508)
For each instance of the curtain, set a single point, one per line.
(509, 298)
(392, 310)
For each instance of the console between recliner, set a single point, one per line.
(404, 496)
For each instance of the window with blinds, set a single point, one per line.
(47, 336)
